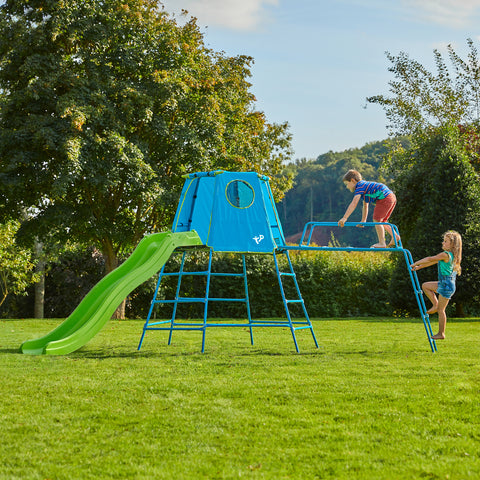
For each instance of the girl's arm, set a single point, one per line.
(428, 261)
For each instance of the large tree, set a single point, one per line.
(438, 189)
(104, 105)
(420, 99)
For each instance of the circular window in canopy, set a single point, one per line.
(239, 194)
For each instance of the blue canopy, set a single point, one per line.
(230, 211)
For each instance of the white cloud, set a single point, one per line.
(232, 14)
(452, 13)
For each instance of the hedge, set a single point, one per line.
(333, 284)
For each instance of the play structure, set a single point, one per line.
(218, 212)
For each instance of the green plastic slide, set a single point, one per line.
(98, 306)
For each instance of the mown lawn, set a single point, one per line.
(372, 402)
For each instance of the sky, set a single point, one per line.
(316, 61)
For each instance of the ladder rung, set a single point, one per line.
(182, 300)
(176, 274)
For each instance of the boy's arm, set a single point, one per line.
(350, 210)
(364, 212)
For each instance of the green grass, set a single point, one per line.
(372, 402)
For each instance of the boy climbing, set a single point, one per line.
(371, 192)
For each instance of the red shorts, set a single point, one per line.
(384, 208)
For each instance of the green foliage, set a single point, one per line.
(16, 265)
(105, 105)
(421, 99)
(331, 283)
(345, 283)
(70, 278)
(438, 190)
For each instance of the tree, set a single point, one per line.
(105, 105)
(421, 99)
(16, 266)
(438, 190)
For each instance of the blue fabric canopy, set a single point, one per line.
(230, 211)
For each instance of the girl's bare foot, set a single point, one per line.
(438, 336)
(432, 310)
(379, 245)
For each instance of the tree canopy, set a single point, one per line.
(421, 99)
(104, 105)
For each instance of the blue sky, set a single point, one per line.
(316, 61)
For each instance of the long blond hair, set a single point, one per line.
(456, 243)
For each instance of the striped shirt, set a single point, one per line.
(371, 191)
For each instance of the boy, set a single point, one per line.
(371, 192)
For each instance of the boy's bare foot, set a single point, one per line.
(432, 310)
(392, 243)
(438, 336)
(379, 245)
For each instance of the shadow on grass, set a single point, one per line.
(10, 350)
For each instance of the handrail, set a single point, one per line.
(311, 225)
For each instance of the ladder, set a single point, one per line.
(419, 297)
(293, 324)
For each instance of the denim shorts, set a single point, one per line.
(446, 285)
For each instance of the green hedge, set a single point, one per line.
(332, 284)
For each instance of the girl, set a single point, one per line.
(448, 267)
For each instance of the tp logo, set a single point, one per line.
(258, 239)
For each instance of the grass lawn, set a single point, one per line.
(373, 402)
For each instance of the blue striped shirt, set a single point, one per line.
(371, 191)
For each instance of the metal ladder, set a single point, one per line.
(294, 325)
(419, 297)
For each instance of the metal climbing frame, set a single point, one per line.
(175, 324)
(305, 244)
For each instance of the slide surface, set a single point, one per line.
(98, 306)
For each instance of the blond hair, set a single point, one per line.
(456, 248)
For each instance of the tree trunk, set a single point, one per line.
(111, 263)
(39, 288)
(311, 203)
(459, 311)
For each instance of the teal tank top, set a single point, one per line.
(446, 268)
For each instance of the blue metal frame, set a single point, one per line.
(398, 247)
(293, 325)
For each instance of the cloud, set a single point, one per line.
(232, 14)
(452, 13)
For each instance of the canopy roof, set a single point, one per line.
(230, 211)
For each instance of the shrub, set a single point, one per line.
(331, 283)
